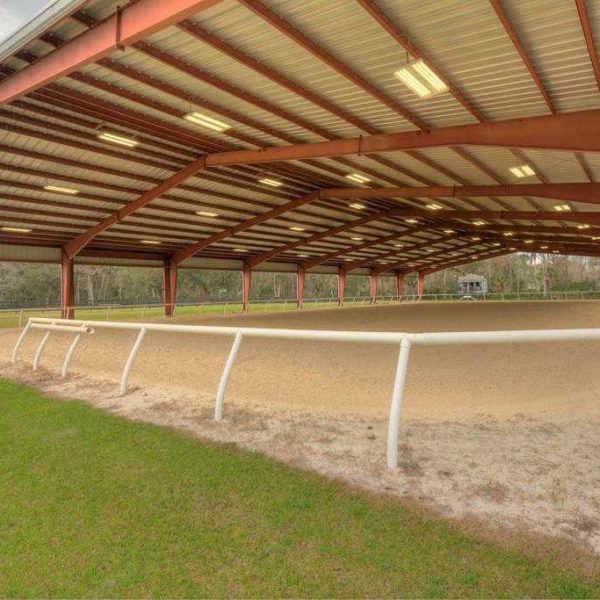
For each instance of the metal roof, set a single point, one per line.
(281, 73)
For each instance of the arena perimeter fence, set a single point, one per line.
(404, 341)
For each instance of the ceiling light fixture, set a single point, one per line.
(357, 178)
(206, 213)
(434, 207)
(61, 190)
(356, 238)
(16, 229)
(544, 247)
(529, 241)
(115, 138)
(562, 207)
(478, 223)
(420, 79)
(411, 221)
(448, 230)
(357, 206)
(271, 182)
(240, 250)
(296, 228)
(476, 239)
(206, 121)
(585, 226)
(508, 234)
(151, 242)
(522, 171)
(399, 245)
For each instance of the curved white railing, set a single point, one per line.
(404, 341)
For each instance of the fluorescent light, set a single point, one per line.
(478, 223)
(356, 238)
(476, 239)
(596, 238)
(512, 248)
(357, 178)
(114, 138)
(586, 226)
(562, 207)
(16, 229)
(411, 221)
(303, 255)
(295, 228)
(240, 250)
(529, 241)
(496, 244)
(434, 207)
(448, 230)
(348, 259)
(206, 121)
(206, 213)
(270, 182)
(61, 190)
(475, 257)
(151, 242)
(544, 247)
(554, 251)
(399, 245)
(420, 79)
(357, 206)
(522, 171)
(508, 234)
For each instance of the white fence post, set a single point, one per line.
(396, 405)
(131, 360)
(69, 355)
(225, 376)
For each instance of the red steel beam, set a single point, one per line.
(192, 249)
(463, 261)
(130, 25)
(512, 34)
(589, 38)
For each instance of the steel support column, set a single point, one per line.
(246, 286)
(67, 287)
(341, 286)
(420, 284)
(170, 288)
(399, 285)
(373, 278)
(300, 286)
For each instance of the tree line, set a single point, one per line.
(28, 284)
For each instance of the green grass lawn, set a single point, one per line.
(95, 505)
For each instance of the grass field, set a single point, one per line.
(95, 505)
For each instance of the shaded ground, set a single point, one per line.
(506, 433)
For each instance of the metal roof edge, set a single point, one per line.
(52, 13)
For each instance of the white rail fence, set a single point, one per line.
(404, 341)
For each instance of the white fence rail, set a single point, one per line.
(404, 341)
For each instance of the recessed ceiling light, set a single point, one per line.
(151, 242)
(16, 229)
(411, 221)
(522, 171)
(206, 213)
(357, 238)
(420, 79)
(478, 223)
(357, 205)
(241, 250)
(206, 121)
(434, 207)
(297, 228)
(115, 138)
(357, 178)
(61, 190)
(585, 226)
(270, 181)
(562, 207)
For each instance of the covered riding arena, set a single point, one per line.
(379, 138)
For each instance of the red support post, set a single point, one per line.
(373, 278)
(67, 287)
(300, 286)
(399, 285)
(246, 286)
(420, 284)
(170, 288)
(341, 286)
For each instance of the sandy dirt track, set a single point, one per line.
(508, 433)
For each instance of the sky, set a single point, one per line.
(14, 13)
